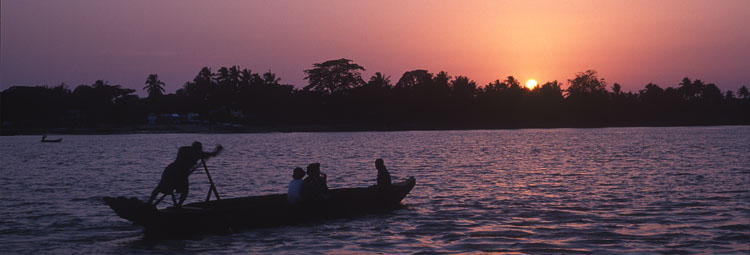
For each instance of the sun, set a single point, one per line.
(531, 84)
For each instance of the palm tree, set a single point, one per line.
(270, 78)
(379, 81)
(246, 78)
(154, 87)
(743, 92)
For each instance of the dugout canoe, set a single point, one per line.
(234, 214)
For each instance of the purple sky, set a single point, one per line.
(629, 42)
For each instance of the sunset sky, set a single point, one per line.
(629, 42)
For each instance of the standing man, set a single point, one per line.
(175, 176)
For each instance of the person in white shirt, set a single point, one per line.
(295, 186)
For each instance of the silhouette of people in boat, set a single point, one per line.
(175, 175)
(315, 187)
(384, 178)
(294, 194)
(45, 140)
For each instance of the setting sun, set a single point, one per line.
(531, 84)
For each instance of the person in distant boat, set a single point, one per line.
(175, 175)
(295, 186)
(384, 178)
(44, 139)
(314, 187)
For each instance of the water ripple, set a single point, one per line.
(572, 191)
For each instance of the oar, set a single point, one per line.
(213, 187)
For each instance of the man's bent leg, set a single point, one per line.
(183, 195)
(153, 195)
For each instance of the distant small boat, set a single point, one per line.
(44, 139)
(228, 215)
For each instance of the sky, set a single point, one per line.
(123, 41)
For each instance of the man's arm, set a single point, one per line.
(195, 167)
(205, 155)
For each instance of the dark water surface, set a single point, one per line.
(611, 190)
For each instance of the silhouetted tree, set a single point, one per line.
(337, 96)
(247, 78)
(334, 76)
(586, 84)
(103, 103)
(729, 96)
(515, 89)
(711, 94)
(29, 107)
(616, 88)
(201, 86)
(234, 77)
(270, 78)
(494, 89)
(551, 92)
(463, 89)
(440, 87)
(154, 87)
(222, 76)
(743, 92)
(541, 106)
(587, 98)
(688, 90)
(379, 81)
(652, 93)
(414, 78)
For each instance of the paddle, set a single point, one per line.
(213, 187)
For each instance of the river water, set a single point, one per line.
(609, 190)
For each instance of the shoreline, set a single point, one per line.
(224, 129)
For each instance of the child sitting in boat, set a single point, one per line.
(295, 186)
(314, 187)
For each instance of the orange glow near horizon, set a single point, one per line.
(531, 84)
(629, 42)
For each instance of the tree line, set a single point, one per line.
(337, 97)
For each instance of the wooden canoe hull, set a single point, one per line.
(234, 214)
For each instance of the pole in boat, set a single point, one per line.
(213, 187)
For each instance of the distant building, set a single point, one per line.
(151, 118)
(167, 118)
(173, 118)
(192, 118)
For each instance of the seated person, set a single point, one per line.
(314, 187)
(295, 186)
(384, 178)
